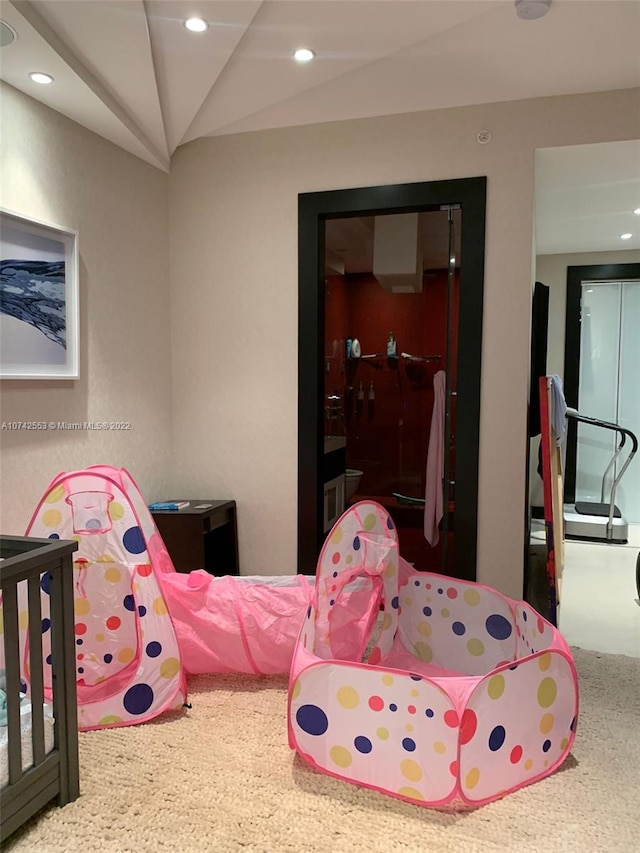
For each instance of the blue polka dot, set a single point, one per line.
(394, 602)
(440, 591)
(332, 602)
(93, 524)
(45, 580)
(429, 712)
(129, 603)
(53, 536)
(79, 642)
(427, 611)
(335, 574)
(416, 583)
(572, 727)
(138, 699)
(496, 738)
(154, 649)
(498, 627)
(133, 541)
(515, 666)
(309, 613)
(142, 610)
(524, 615)
(108, 658)
(23, 686)
(409, 744)
(80, 670)
(48, 660)
(415, 677)
(546, 746)
(363, 744)
(356, 543)
(46, 624)
(312, 719)
(458, 628)
(389, 523)
(393, 707)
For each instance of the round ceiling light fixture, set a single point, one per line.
(7, 34)
(41, 77)
(637, 211)
(626, 236)
(196, 25)
(529, 10)
(303, 54)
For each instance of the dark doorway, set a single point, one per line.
(468, 197)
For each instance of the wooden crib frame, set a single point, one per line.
(53, 775)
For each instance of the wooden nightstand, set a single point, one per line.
(203, 535)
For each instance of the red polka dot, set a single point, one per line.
(376, 703)
(411, 709)
(336, 558)
(516, 754)
(540, 625)
(81, 628)
(80, 656)
(427, 586)
(453, 768)
(468, 726)
(452, 593)
(375, 656)
(113, 623)
(334, 587)
(81, 561)
(144, 570)
(451, 719)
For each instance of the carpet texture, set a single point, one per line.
(220, 778)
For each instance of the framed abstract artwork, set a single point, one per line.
(38, 299)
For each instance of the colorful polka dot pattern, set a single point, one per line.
(513, 718)
(122, 626)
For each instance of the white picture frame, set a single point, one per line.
(39, 299)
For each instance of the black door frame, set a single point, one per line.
(314, 209)
(576, 275)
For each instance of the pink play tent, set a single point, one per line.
(128, 660)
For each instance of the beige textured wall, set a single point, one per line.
(56, 171)
(233, 203)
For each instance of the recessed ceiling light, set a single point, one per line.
(41, 77)
(637, 211)
(303, 54)
(627, 236)
(196, 25)
(7, 34)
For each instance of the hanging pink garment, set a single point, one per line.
(435, 462)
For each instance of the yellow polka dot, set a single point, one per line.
(547, 692)
(116, 511)
(411, 770)
(348, 559)
(390, 571)
(55, 495)
(387, 680)
(159, 607)
(81, 606)
(100, 678)
(424, 628)
(169, 667)
(75, 538)
(415, 692)
(528, 764)
(546, 762)
(495, 688)
(336, 536)
(409, 727)
(445, 612)
(564, 742)
(382, 733)
(109, 720)
(475, 647)
(340, 756)
(439, 747)
(52, 518)
(423, 652)
(296, 689)
(105, 558)
(544, 662)
(471, 596)
(408, 602)
(370, 521)
(386, 621)
(411, 793)
(126, 655)
(23, 620)
(99, 638)
(472, 778)
(546, 723)
(112, 575)
(348, 697)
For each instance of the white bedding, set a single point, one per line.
(27, 745)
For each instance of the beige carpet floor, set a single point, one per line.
(220, 778)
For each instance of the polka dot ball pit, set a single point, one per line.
(427, 688)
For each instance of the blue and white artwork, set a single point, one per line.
(34, 302)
